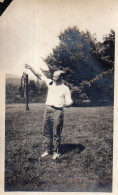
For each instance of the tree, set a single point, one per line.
(76, 55)
(105, 50)
(37, 91)
(101, 88)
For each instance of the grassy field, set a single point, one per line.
(86, 161)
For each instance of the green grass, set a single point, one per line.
(86, 161)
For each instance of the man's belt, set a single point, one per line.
(56, 108)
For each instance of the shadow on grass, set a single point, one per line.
(66, 148)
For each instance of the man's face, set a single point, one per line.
(56, 76)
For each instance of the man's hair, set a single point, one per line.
(59, 72)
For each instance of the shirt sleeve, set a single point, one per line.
(46, 80)
(68, 99)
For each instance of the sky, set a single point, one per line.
(29, 30)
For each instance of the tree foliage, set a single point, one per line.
(105, 50)
(37, 91)
(101, 87)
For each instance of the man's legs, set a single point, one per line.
(53, 124)
(57, 130)
(47, 132)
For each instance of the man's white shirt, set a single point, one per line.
(58, 95)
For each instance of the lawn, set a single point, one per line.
(87, 143)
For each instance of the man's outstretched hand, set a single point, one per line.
(27, 66)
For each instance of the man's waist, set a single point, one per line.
(55, 107)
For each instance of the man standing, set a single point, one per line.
(58, 96)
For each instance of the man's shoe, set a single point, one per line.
(44, 154)
(56, 155)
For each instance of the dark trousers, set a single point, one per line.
(53, 124)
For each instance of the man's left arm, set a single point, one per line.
(68, 100)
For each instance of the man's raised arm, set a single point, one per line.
(38, 75)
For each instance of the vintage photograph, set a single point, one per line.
(58, 58)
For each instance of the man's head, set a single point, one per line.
(58, 75)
